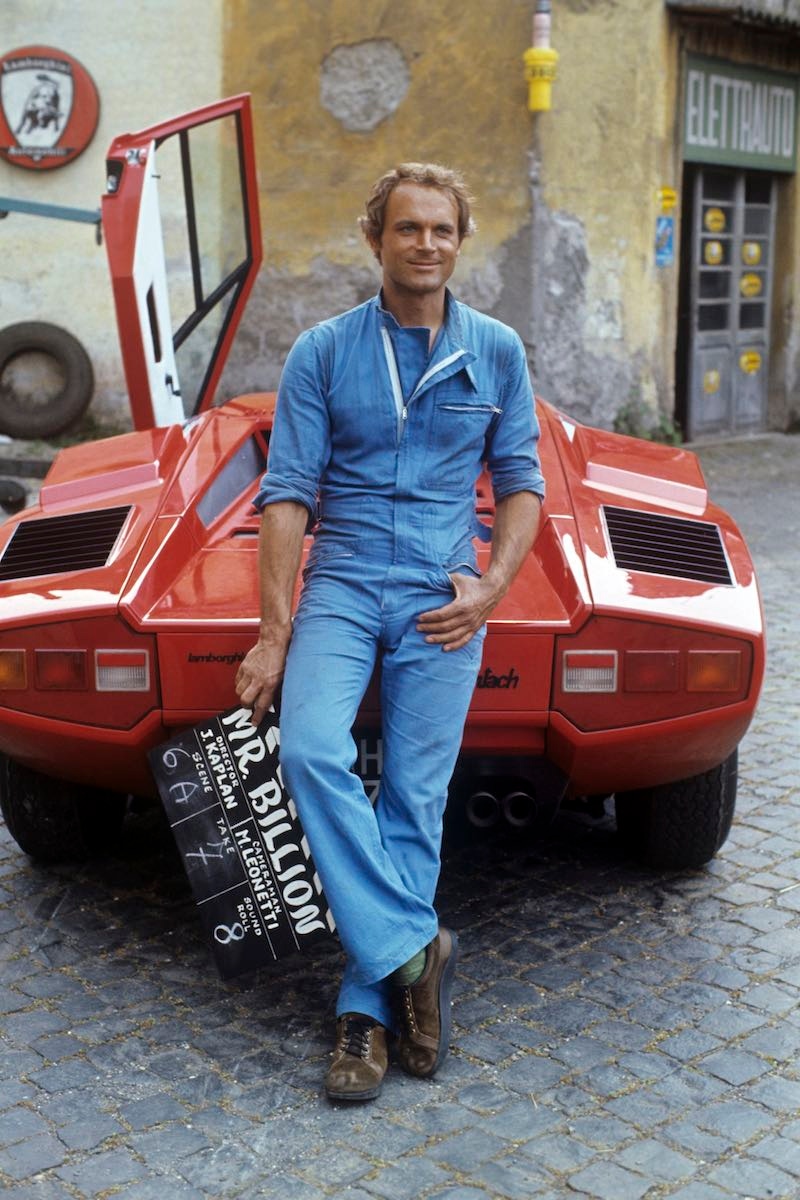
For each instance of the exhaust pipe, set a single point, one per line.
(483, 810)
(519, 809)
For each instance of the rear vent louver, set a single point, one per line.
(52, 545)
(643, 541)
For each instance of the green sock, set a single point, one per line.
(411, 971)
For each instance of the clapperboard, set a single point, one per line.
(258, 894)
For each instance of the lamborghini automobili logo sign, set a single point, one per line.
(48, 107)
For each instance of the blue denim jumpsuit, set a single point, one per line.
(382, 440)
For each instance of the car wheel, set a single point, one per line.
(54, 820)
(680, 824)
(46, 380)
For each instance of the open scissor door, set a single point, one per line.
(182, 229)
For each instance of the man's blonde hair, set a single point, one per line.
(427, 175)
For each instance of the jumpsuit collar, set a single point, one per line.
(450, 352)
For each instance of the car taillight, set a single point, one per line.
(122, 670)
(92, 670)
(714, 671)
(13, 674)
(60, 670)
(617, 672)
(589, 671)
(651, 671)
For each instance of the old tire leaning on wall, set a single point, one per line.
(31, 413)
(13, 496)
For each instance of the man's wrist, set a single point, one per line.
(496, 583)
(275, 633)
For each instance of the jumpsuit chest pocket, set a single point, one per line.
(459, 422)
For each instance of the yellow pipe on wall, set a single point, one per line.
(540, 71)
(540, 60)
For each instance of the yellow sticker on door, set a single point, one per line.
(714, 220)
(750, 362)
(712, 253)
(750, 284)
(711, 382)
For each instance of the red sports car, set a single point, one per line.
(626, 660)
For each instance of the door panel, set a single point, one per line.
(732, 219)
(183, 237)
(152, 303)
(713, 365)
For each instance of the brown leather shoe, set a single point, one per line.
(423, 1010)
(359, 1060)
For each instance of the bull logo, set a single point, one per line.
(42, 108)
(37, 97)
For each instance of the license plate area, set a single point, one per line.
(369, 761)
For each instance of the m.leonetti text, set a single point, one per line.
(724, 113)
(286, 862)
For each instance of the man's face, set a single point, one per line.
(420, 243)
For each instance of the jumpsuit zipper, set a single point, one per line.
(400, 403)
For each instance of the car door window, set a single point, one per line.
(205, 243)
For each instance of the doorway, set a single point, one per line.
(722, 366)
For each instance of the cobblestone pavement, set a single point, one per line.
(618, 1033)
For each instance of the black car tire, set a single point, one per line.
(54, 413)
(683, 824)
(56, 821)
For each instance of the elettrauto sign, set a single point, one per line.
(739, 116)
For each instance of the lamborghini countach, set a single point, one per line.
(624, 663)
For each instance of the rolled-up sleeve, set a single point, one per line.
(512, 446)
(300, 443)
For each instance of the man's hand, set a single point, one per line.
(456, 623)
(516, 520)
(260, 674)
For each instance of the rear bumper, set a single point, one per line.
(639, 756)
(596, 762)
(106, 758)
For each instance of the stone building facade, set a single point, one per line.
(640, 240)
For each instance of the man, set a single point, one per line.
(385, 415)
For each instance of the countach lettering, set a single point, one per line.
(488, 679)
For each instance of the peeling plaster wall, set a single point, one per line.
(344, 90)
(341, 90)
(567, 200)
(52, 270)
(604, 314)
(363, 84)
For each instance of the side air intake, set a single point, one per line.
(659, 545)
(52, 545)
